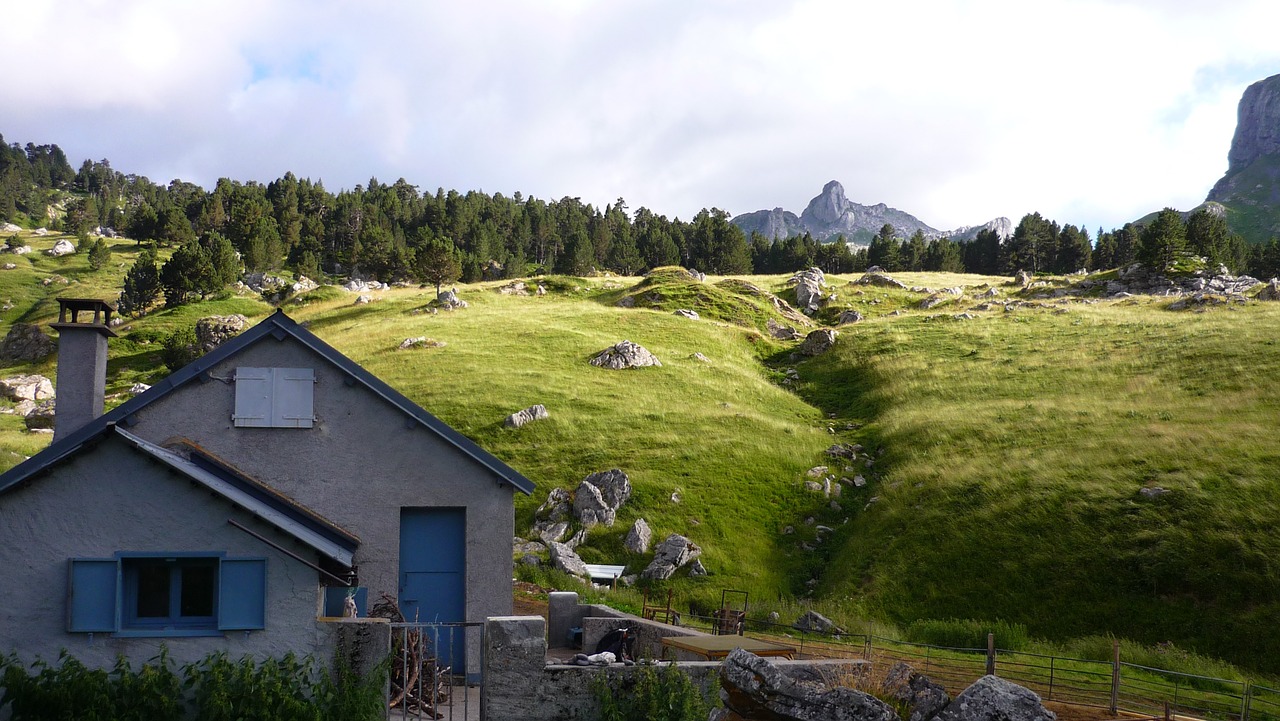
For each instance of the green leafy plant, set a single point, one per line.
(664, 694)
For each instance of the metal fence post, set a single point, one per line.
(991, 654)
(1115, 677)
(1246, 702)
(1051, 678)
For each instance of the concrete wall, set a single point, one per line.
(521, 686)
(564, 612)
(115, 499)
(359, 465)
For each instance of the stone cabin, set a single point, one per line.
(235, 503)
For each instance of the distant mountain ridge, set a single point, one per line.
(831, 214)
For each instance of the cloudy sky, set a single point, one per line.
(957, 111)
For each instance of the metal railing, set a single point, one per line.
(429, 674)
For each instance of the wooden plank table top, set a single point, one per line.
(717, 647)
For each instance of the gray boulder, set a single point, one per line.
(848, 316)
(550, 531)
(991, 698)
(639, 537)
(1271, 291)
(42, 417)
(27, 387)
(922, 696)
(879, 278)
(528, 415)
(817, 623)
(1022, 278)
(599, 497)
(753, 688)
(782, 332)
(26, 343)
(449, 299)
(624, 355)
(215, 330)
(671, 555)
(564, 559)
(686, 313)
(420, 342)
(557, 507)
(809, 289)
(62, 247)
(817, 342)
(590, 508)
(363, 299)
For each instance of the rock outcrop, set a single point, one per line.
(26, 388)
(992, 698)
(522, 417)
(565, 559)
(809, 285)
(599, 496)
(753, 688)
(62, 247)
(670, 556)
(922, 696)
(26, 343)
(639, 537)
(818, 342)
(214, 330)
(624, 355)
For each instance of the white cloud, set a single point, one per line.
(955, 110)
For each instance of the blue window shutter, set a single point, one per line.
(242, 594)
(91, 594)
(253, 397)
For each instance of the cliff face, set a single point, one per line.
(830, 214)
(1250, 190)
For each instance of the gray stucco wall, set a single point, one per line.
(115, 499)
(361, 463)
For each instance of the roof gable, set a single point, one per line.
(279, 326)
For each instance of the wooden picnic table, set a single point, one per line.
(717, 647)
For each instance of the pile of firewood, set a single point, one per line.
(419, 683)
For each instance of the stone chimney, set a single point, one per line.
(83, 329)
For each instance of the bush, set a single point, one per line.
(213, 689)
(655, 695)
(968, 633)
(180, 348)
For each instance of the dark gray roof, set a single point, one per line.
(279, 326)
(283, 513)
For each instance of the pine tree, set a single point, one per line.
(99, 254)
(1163, 241)
(141, 284)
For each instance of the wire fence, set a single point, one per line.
(1114, 685)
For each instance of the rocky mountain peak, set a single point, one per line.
(1257, 124)
(1251, 185)
(829, 205)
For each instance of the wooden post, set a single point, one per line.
(991, 654)
(1115, 677)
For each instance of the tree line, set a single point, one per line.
(392, 232)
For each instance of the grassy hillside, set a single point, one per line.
(1015, 443)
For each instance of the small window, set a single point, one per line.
(275, 398)
(156, 594)
(170, 593)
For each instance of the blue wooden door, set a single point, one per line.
(433, 576)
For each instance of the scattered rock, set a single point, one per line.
(817, 342)
(813, 486)
(363, 299)
(10, 228)
(1153, 492)
(817, 623)
(922, 696)
(1271, 291)
(563, 558)
(859, 481)
(599, 497)
(753, 688)
(214, 330)
(934, 300)
(628, 301)
(700, 358)
(528, 415)
(26, 387)
(420, 342)
(809, 285)
(816, 472)
(848, 317)
(18, 249)
(557, 507)
(42, 417)
(42, 232)
(696, 275)
(9, 266)
(26, 343)
(355, 285)
(624, 355)
(62, 247)
(686, 313)
(449, 300)
(782, 332)
(991, 698)
(670, 555)
(550, 531)
(515, 287)
(1022, 278)
(696, 569)
(877, 277)
(639, 537)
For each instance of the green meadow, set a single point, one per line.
(1008, 449)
